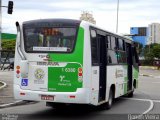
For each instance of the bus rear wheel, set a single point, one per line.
(110, 100)
(130, 94)
(56, 105)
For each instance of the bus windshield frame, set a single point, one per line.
(49, 33)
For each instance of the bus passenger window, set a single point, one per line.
(120, 44)
(94, 47)
(122, 58)
(108, 42)
(112, 57)
(113, 43)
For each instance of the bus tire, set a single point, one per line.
(130, 94)
(110, 99)
(56, 105)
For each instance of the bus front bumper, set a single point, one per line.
(81, 96)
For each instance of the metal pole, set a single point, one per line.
(0, 29)
(117, 16)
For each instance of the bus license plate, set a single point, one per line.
(47, 97)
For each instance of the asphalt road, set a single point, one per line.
(146, 100)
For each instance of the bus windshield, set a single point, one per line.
(49, 39)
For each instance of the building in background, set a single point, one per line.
(153, 33)
(139, 34)
(86, 16)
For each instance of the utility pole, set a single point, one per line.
(117, 16)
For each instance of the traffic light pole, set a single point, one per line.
(10, 10)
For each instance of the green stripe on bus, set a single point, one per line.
(126, 80)
(65, 79)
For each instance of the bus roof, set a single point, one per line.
(61, 22)
(95, 26)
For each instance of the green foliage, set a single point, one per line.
(156, 51)
(8, 41)
(8, 44)
(151, 52)
(8, 36)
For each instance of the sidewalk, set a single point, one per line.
(149, 71)
(6, 94)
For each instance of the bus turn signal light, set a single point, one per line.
(18, 67)
(80, 70)
(18, 71)
(22, 93)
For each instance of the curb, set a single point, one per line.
(148, 67)
(149, 76)
(146, 75)
(4, 85)
(19, 102)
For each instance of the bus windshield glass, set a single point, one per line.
(49, 39)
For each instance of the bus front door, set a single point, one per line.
(102, 67)
(129, 62)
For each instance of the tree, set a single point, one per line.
(8, 44)
(151, 52)
(156, 51)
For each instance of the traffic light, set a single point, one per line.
(10, 7)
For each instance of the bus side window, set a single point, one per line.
(112, 57)
(122, 58)
(120, 44)
(124, 45)
(94, 47)
(108, 42)
(113, 43)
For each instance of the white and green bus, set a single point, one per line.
(62, 61)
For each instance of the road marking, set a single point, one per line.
(156, 101)
(4, 85)
(10, 104)
(146, 75)
(146, 100)
(149, 82)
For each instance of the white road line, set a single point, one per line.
(9, 104)
(149, 82)
(4, 85)
(156, 101)
(146, 100)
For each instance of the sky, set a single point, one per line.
(132, 13)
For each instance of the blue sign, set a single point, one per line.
(24, 82)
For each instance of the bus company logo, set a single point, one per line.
(39, 74)
(45, 57)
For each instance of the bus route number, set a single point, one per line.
(68, 70)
